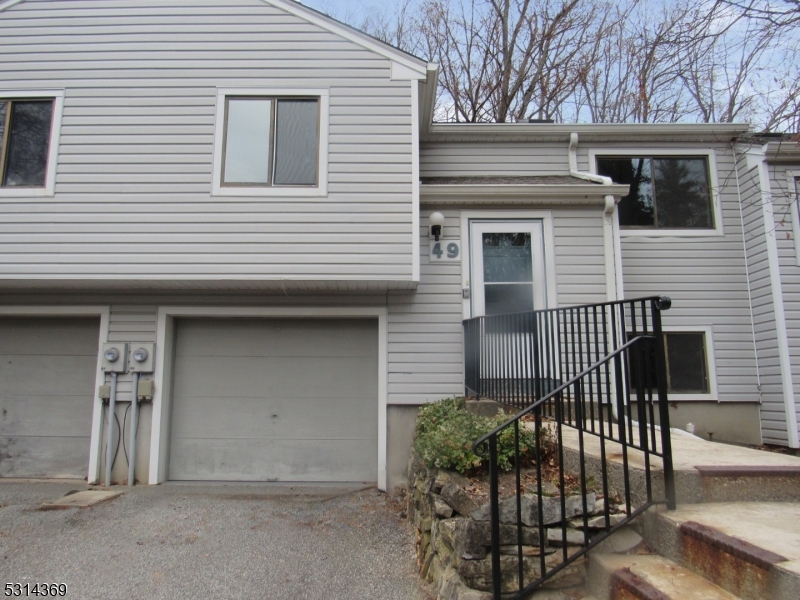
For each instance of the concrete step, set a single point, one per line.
(751, 549)
(647, 577)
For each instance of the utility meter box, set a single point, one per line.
(142, 358)
(115, 357)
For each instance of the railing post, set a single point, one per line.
(658, 305)
(494, 505)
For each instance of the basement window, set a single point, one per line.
(687, 364)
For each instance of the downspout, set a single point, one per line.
(610, 234)
(747, 273)
(613, 267)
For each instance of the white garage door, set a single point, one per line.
(47, 379)
(275, 400)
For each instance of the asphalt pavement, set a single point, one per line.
(210, 541)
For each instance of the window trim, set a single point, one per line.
(644, 152)
(711, 365)
(218, 188)
(793, 182)
(55, 138)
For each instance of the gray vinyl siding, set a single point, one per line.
(453, 159)
(705, 277)
(426, 361)
(784, 195)
(133, 184)
(773, 420)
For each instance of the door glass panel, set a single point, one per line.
(507, 257)
(508, 298)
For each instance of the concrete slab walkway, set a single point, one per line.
(210, 541)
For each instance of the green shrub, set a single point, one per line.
(445, 432)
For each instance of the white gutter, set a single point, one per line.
(613, 262)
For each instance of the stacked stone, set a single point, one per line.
(454, 535)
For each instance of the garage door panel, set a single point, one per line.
(286, 418)
(273, 377)
(39, 374)
(300, 337)
(274, 460)
(275, 399)
(42, 416)
(44, 456)
(47, 378)
(62, 336)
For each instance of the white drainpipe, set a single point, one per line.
(612, 254)
(610, 234)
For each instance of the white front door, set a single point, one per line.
(507, 264)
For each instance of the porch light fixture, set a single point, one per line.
(437, 220)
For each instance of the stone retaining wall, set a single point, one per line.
(454, 537)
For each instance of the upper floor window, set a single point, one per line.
(25, 128)
(667, 192)
(271, 143)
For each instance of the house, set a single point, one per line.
(243, 211)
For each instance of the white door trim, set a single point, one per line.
(545, 216)
(104, 312)
(159, 440)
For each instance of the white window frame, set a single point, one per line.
(710, 155)
(49, 187)
(711, 364)
(793, 178)
(321, 189)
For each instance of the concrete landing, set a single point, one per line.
(82, 499)
(704, 471)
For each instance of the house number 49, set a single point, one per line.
(445, 250)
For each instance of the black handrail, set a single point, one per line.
(593, 368)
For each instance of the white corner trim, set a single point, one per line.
(793, 185)
(55, 139)
(415, 184)
(711, 362)
(159, 438)
(773, 260)
(104, 312)
(272, 191)
(545, 216)
(353, 35)
(710, 154)
(9, 4)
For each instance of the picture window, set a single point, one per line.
(666, 192)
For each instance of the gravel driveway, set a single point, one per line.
(210, 541)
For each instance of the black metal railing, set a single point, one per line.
(593, 374)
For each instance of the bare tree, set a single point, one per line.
(783, 13)
(606, 61)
